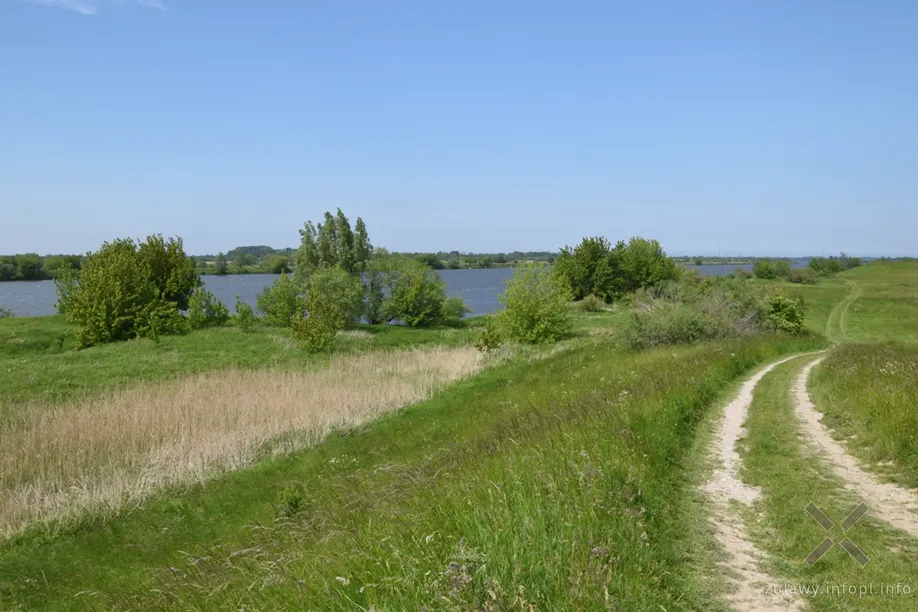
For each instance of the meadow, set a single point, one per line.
(408, 470)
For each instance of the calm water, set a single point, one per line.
(479, 288)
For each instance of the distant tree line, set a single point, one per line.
(33, 267)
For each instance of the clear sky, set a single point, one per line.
(768, 127)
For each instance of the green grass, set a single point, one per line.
(778, 461)
(37, 363)
(869, 395)
(559, 483)
(887, 304)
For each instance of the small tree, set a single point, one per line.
(332, 300)
(535, 305)
(765, 269)
(416, 293)
(782, 268)
(221, 265)
(784, 314)
(245, 316)
(278, 301)
(205, 310)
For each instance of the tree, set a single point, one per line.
(327, 242)
(586, 267)
(126, 290)
(332, 300)
(30, 267)
(243, 260)
(307, 255)
(430, 260)
(344, 244)
(764, 268)
(782, 268)
(277, 264)
(278, 302)
(363, 250)
(221, 265)
(416, 293)
(205, 310)
(485, 262)
(535, 305)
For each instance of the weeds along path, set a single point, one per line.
(741, 556)
(887, 501)
(836, 330)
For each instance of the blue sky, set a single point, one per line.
(770, 127)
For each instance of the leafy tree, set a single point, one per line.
(314, 327)
(430, 260)
(126, 290)
(307, 256)
(8, 270)
(363, 250)
(346, 256)
(804, 276)
(699, 261)
(221, 265)
(29, 267)
(500, 259)
(587, 268)
(782, 268)
(416, 293)
(245, 316)
(52, 264)
(205, 310)
(642, 263)
(327, 242)
(278, 302)
(490, 336)
(245, 259)
(535, 305)
(453, 310)
(784, 314)
(277, 264)
(341, 295)
(764, 268)
(485, 262)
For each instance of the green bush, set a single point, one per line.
(764, 268)
(535, 305)
(742, 274)
(278, 301)
(245, 316)
(782, 268)
(336, 293)
(205, 310)
(5, 313)
(127, 290)
(591, 303)
(490, 336)
(674, 313)
(416, 293)
(453, 310)
(804, 276)
(784, 314)
(316, 323)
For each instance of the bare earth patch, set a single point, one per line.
(887, 501)
(103, 453)
(741, 556)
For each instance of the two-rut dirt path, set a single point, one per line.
(888, 502)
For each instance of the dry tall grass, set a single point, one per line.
(101, 454)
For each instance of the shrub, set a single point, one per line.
(591, 303)
(416, 293)
(784, 314)
(245, 316)
(764, 268)
(278, 264)
(453, 310)
(680, 312)
(126, 290)
(535, 305)
(316, 323)
(336, 293)
(742, 274)
(5, 313)
(804, 276)
(490, 336)
(782, 268)
(278, 301)
(205, 310)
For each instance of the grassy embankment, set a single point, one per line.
(561, 482)
(557, 482)
(866, 388)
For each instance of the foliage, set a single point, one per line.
(535, 305)
(416, 293)
(803, 276)
(278, 301)
(430, 260)
(318, 320)
(490, 336)
(595, 267)
(826, 266)
(452, 310)
(277, 264)
(5, 313)
(698, 261)
(591, 303)
(336, 295)
(742, 273)
(764, 268)
(332, 243)
(221, 265)
(784, 314)
(245, 316)
(205, 310)
(675, 313)
(782, 268)
(128, 290)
